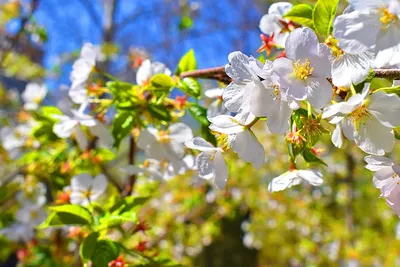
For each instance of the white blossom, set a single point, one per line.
(387, 179)
(85, 189)
(216, 107)
(165, 145)
(240, 137)
(33, 95)
(18, 232)
(372, 24)
(294, 177)
(81, 70)
(274, 24)
(368, 120)
(306, 68)
(210, 162)
(148, 69)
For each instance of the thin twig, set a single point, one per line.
(131, 160)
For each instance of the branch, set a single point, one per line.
(219, 74)
(131, 159)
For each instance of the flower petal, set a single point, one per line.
(221, 171)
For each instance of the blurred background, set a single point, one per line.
(342, 223)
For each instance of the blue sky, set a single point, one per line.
(220, 27)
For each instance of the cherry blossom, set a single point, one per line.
(148, 69)
(210, 162)
(294, 177)
(33, 95)
(86, 189)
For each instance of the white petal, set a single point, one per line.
(356, 32)
(351, 69)
(314, 177)
(64, 129)
(302, 44)
(386, 108)
(144, 72)
(81, 138)
(387, 58)
(389, 37)
(99, 186)
(225, 124)
(269, 23)
(319, 91)
(374, 138)
(367, 5)
(283, 181)
(233, 97)
(81, 182)
(205, 166)
(278, 121)
(221, 171)
(214, 93)
(147, 137)
(337, 136)
(386, 180)
(248, 148)
(280, 8)
(78, 92)
(238, 68)
(200, 144)
(180, 132)
(377, 162)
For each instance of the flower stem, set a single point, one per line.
(251, 124)
(309, 110)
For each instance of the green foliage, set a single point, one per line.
(88, 246)
(380, 83)
(301, 14)
(200, 114)
(122, 125)
(159, 112)
(162, 82)
(191, 87)
(323, 16)
(310, 157)
(186, 23)
(68, 215)
(104, 252)
(187, 63)
(111, 221)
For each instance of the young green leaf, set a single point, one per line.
(88, 246)
(68, 215)
(199, 113)
(187, 63)
(159, 112)
(310, 157)
(122, 125)
(104, 252)
(301, 14)
(323, 16)
(162, 82)
(111, 221)
(191, 87)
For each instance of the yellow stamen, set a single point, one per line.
(387, 18)
(302, 70)
(360, 116)
(333, 44)
(163, 137)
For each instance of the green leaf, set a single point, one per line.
(104, 252)
(117, 88)
(310, 157)
(162, 82)
(128, 204)
(199, 113)
(50, 110)
(160, 112)
(301, 14)
(68, 215)
(323, 16)
(122, 125)
(397, 132)
(378, 83)
(88, 246)
(187, 63)
(111, 221)
(191, 87)
(186, 23)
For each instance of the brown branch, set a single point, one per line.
(131, 160)
(219, 74)
(14, 40)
